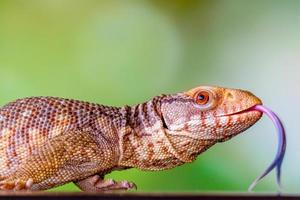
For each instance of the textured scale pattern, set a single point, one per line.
(29, 123)
(48, 141)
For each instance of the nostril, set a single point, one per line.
(230, 96)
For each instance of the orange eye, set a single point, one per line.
(202, 98)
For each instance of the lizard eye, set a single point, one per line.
(202, 98)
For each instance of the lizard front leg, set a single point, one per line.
(96, 183)
(65, 158)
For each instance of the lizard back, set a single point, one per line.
(26, 124)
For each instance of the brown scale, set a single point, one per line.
(48, 141)
(29, 122)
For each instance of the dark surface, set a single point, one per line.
(135, 196)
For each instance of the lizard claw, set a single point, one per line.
(102, 184)
(7, 185)
(128, 185)
(16, 185)
(110, 184)
(123, 185)
(96, 183)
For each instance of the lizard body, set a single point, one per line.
(47, 141)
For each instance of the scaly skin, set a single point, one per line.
(47, 141)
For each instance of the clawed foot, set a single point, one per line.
(16, 185)
(96, 183)
(115, 185)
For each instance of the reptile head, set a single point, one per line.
(208, 114)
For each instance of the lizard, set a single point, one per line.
(49, 141)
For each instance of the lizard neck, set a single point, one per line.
(144, 142)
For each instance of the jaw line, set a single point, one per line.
(188, 135)
(247, 110)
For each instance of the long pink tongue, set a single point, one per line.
(280, 149)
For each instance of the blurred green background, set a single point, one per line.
(125, 52)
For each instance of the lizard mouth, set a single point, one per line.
(245, 111)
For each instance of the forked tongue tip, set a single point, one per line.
(280, 149)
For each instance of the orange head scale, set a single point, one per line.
(208, 113)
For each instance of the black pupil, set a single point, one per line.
(201, 97)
